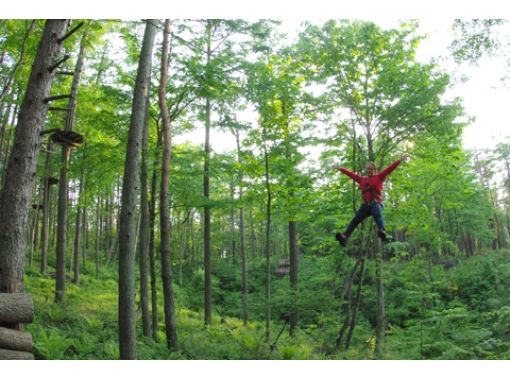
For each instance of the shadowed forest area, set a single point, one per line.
(169, 190)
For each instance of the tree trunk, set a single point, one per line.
(166, 268)
(35, 226)
(84, 224)
(381, 314)
(244, 259)
(62, 227)
(127, 230)
(63, 196)
(77, 231)
(294, 312)
(152, 258)
(46, 210)
(98, 218)
(144, 232)
(15, 199)
(267, 244)
(207, 209)
(253, 249)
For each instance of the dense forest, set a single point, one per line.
(134, 241)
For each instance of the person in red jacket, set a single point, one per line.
(371, 187)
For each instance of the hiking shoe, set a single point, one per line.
(382, 235)
(342, 238)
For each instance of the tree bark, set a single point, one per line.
(244, 258)
(127, 229)
(166, 268)
(15, 355)
(152, 258)
(16, 308)
(15, 340)
(15, 199)
(46, 211)
(63, 196)
(98, 218)
(77, 231)
(267, 243)
(381, 314)
(207, 209)
(144, 232)
(294, 312)
(62, 227)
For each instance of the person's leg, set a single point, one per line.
(362, 213)
(376, 210)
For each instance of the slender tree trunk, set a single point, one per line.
(267, 244)
(144, 233)
(252, 236)
(244, 259)
(192, 240)
(98, 219)
(46, 210)
(381, 314)
(166, 268)
(77, 231)
(127, 230)
(207, 209)
(63, 198)
(294, 312)
(62, 227)
(182, 243)
(35, 226)
(152, 258)
(356, 305)
(15, 198)
(84, 234)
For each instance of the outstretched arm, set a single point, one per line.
(393, 166)
(347, 172)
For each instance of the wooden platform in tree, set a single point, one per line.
(71, 138)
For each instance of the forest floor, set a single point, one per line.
(432, 312)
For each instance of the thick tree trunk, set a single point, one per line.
(166, 268)
(127, 230)
(15, 199)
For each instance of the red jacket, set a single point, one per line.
(371, 187)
